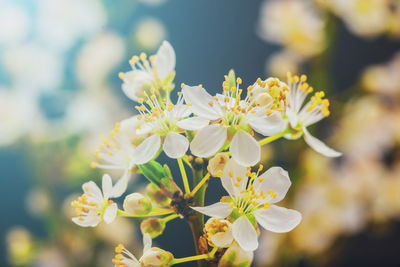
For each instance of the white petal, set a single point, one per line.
(144, 128)
(218, 210)
(293, 117)
(165, 60)
(147, 150)
(245, 234)
(175, 145)
(278, 219)
(193, 123)
(222, 239)
(200, 102)
(245, 149)
(128, 126)
(107, 186)
(120, 187)
(232, 167)
(88, 221)
(267, 125)
(110, 213)
(146, 242)
(275, 178)
(319, 146)
(208, 141)
(92, 188)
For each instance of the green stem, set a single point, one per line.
(200, 184)
(191, 258)
(196, 220)
(269, 139)
(184, 176)
(197, 257)
(158, 212)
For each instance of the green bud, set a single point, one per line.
(153, 226)
(156, 257)
(137, 204)
(235, 256)
(156, 195)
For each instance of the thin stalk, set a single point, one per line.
(200, 184)
(159, 212)
(197, 257)
(269, 139)
(184, 176)
(170, 217)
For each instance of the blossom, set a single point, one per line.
(166, 120)
(231, 120)
(152, 72)
(152, 256)
(252, 201)
(301, 116)
(124, 149)
(294, 24)
(94, 205)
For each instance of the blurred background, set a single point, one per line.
(59, 91)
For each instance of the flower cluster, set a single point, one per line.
(213, 135)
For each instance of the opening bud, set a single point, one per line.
(156, 195)
(156, 257)
(137, 204)
(153, 226)
(235, 256)
(217, 163)
(218, 232)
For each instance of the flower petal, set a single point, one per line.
(175, 145)
(245, 149)
(107, 186)
(319, 146)
(146, 242)
(91, 220)
(267, 125)
(120, 187)
(165, 60)
(228, 181)
(201, 103)
(278, 219)
(245, 234)
(110, 213)
(128, 126)
(193, 123)
(147, 150)
(218, 210)
(92, 189)
(208, 141)
(276, 179)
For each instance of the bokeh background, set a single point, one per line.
(59, 91)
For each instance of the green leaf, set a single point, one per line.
(154, 172)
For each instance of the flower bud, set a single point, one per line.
(156, 195)
(218, 232)
(156, 257)
(153, 226)
(217, 163)
(235, 256)
(137, 204)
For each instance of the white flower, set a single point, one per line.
(232, 119)
(152, 256)
(166, 120)
(122, 151)
(94, 206)
(294, 24)
(253, 202)
(301, 116)
(150, 72)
